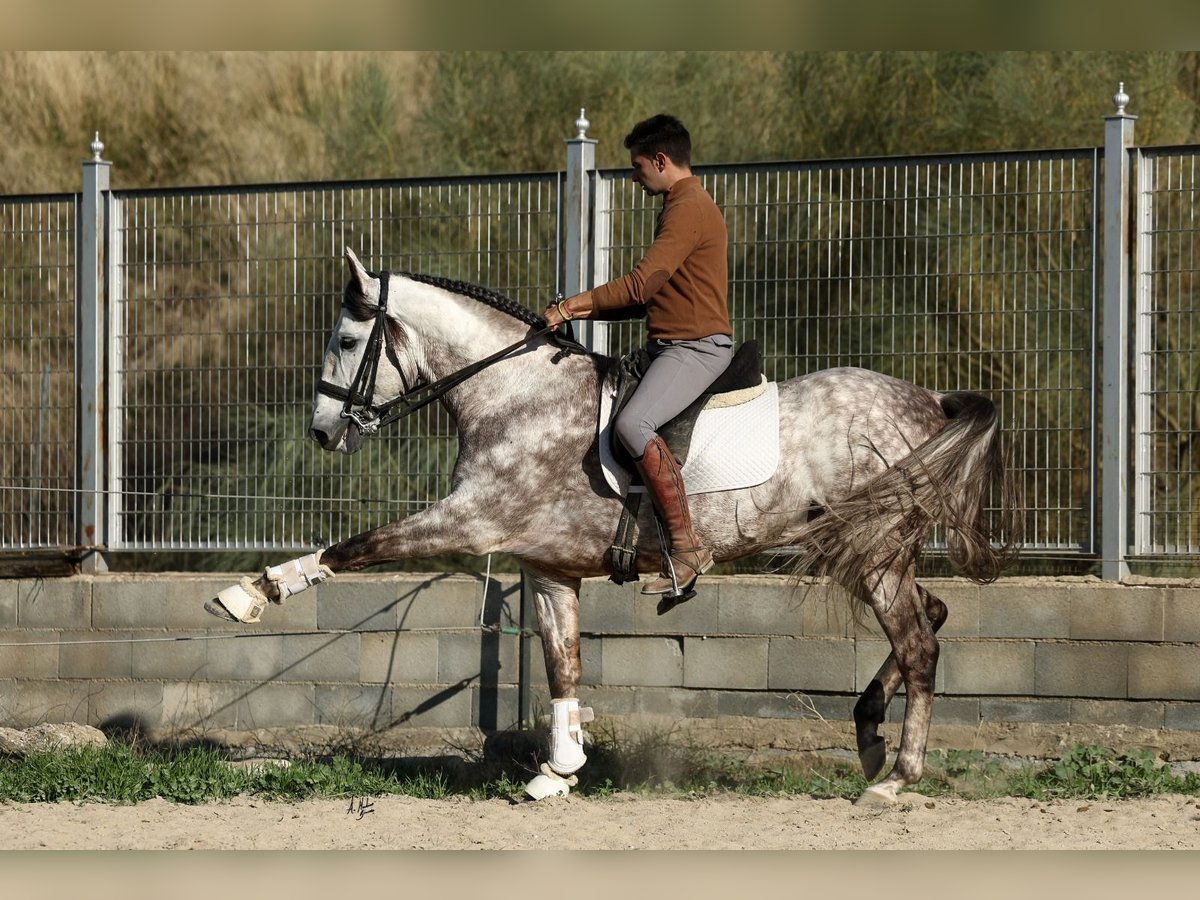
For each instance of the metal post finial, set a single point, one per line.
(581, 125)
(1120, 98)
(97, 147)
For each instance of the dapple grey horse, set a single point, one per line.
(868, 464)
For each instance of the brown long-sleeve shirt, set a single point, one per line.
(683, 279)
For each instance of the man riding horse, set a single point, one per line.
(682, 283)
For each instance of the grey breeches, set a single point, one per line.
(680, 371)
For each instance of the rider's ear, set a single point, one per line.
(357, 272)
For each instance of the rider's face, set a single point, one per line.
(648, 172)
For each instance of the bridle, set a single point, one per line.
(370, 417)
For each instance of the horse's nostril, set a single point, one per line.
(318, 435)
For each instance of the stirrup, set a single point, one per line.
(674, 593)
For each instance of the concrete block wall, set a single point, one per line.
(384, 651)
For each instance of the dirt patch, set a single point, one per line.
(620, 822)
(638, 821)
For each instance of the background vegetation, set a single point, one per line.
(171, 119)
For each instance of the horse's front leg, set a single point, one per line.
(458, 524)
(556, 601)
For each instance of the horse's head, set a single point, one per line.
(361, 371)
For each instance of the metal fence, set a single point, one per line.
(38, 451)
(1167, 365)
(955, 272)
(970, 271)
(225, 300)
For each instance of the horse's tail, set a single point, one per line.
(947, 480)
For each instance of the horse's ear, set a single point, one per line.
(357, 272)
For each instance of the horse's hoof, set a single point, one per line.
(241, 602)
(872, 757)
(547, 785)
(877, 796)
(215, 608)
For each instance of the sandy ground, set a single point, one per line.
(624, 821)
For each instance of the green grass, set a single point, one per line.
(1099, 773)
(654, 764)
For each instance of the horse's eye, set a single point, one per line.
(348, 343)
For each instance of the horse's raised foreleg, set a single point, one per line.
(457, 524)
(872, 705)
(901, 610)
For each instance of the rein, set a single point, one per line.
(356, 400)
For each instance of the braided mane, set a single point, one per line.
(482, 294)
(363, 311)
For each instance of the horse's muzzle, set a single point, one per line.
(322, 438)
(349, 440)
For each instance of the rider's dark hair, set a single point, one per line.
(661, 134)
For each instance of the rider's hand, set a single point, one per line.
(562, 310)
(553, 317)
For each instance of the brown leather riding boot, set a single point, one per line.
(664, 482)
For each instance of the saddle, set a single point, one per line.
(744, 372)
(743, 376)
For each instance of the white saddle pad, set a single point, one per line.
(732, 446)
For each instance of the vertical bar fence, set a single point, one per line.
(38, 449)
(957, 272)
(1167, 366)
(227, 298)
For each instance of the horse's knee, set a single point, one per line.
(919, 669)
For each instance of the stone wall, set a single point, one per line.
(406, 651)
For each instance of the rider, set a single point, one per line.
(682, 283)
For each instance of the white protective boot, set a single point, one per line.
(245, 602)
(566, 750)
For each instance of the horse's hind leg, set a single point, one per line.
(872, 705)
(900, 608)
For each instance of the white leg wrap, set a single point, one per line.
(298, 574)
(566, 735)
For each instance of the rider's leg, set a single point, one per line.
(679, 372)
(664, 482)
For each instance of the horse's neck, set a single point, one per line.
(455, 345)
(455, 334)
(451, 331)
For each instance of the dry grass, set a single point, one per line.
(208, 117)
(192, 118)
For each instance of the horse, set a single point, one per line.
(868, 465)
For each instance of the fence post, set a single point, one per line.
(1114, 452)
(90, 360)
(577, 215)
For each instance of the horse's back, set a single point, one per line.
(847, 423)
(864, 395)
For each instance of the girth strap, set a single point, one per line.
(623, 552)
